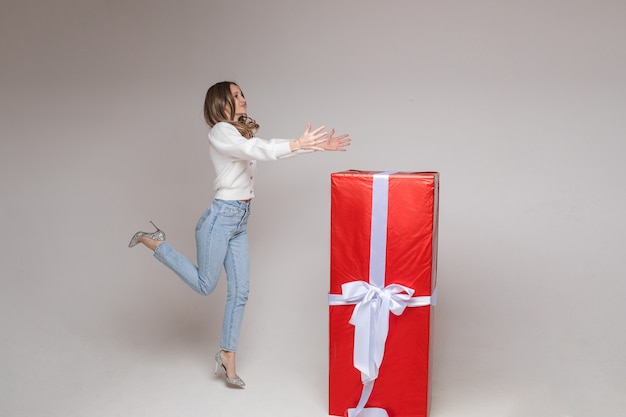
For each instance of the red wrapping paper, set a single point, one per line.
(403, 387)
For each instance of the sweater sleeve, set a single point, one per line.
(228, 141)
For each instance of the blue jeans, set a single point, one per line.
(221, 239)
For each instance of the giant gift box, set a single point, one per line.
(382, 292)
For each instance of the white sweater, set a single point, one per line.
(234, 159)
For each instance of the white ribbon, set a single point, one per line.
(373, 303)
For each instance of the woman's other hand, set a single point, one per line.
(338, 143)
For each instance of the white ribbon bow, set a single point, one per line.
(371, 320)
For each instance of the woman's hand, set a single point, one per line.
(312, 140)
(338, 143)
(317, 140)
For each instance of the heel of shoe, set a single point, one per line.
(155, 226)
(218, 362)
(157, 235)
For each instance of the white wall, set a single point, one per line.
(520, 106)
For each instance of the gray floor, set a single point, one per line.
(152, 356)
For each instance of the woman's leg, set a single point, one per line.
(237, 265)
(212, 242)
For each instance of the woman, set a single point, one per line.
(221, 237)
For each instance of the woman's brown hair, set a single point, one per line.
(218, 99)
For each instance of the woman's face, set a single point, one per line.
(241, 108)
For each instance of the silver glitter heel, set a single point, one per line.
(236, 381)
(158, 235)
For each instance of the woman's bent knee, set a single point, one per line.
(205, 288)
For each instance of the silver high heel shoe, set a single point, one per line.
(158, 235)
(236, 381)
